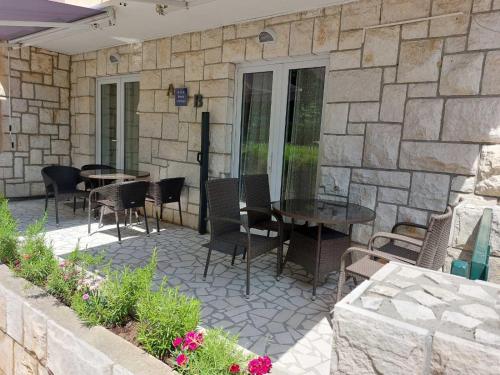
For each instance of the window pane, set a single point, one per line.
(108, 124)
(131, 124)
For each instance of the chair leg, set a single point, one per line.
(101, 216)
(180, 213)
(145, 220)
(57, 211)
(208, 261)
(90, 211)
(157, 221)
(279, 260)
(234, 255)
(74, 204)
(340, 284)
(247, 294)
(46, 201)
(137, 217)
(161, 211)
(244, 254)
(117, 219)
(126, 213)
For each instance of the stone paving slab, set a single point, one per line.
(280, 319)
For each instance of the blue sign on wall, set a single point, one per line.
(181, 97)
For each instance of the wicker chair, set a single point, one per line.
(90, 183)
(257, 194)
(61, 183)
(120, 197)
(427, 253)
(165, 191)
(225, 223)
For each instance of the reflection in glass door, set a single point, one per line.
(118, 122)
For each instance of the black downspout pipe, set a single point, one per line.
(203, 161)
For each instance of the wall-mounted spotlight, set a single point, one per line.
(267, 36)
(114, 58)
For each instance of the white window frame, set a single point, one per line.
(120, 106)
(280, 69)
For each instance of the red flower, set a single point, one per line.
(182, 360)
(234, 368)
(193, 340)
(260, 366)
(177, 342)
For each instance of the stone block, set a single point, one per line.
(463, 184)
(194, 66)
(439, 157)
(47, 93)
(361, 233)
(345, 59)
(381, 46)
(29, 123)
(450, 25)
(247, 29)
(429, 191)
(217, 88)
(364, 195)
(24, 363)
(234, 51)
(336, 118)
(423, 119)
(389, 75)
(174, 76)
(254, 49)
(149, 54)
(171, 150)
(419, 60)
(335, 181)
(343, 151)
(60, 147)
(150, 125)
(393, 103)
(488, 176)
(455, 44)
(229, 32)
(221, 110)
(360, 14)
(28, 91)
(483, 113)
(214, 55)
(401, 10)
(390, 195)
(355, 85)
(14, 313)
(481, 6)
(415, 30)
(326, 33)
(280, 46)
(6, 354)
(461, 74)
(385, 217)
(355, 128)
(382, 178)
(170, 128)
(219, 71)
(491, 76)
(211, 38)
(163, 51)
(301, 37)
(350, 39)
(452, 354)
(422, 90)
(482, 31)
(41, 63)
(181, 43)
(363, 112)
(61, 78)
(150, 79)
(381, 146)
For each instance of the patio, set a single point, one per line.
(279, 319)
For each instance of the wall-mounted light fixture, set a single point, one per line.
(114, 58)
(267, 36)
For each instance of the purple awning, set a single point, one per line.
(38, 10)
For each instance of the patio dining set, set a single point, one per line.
(317, 233)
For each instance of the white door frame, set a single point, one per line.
(280, 69)
(120, 106)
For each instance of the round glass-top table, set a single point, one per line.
(323, 212)
(114, 174)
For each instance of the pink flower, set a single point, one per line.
(234, 368)
(177, 342)
(193, 340)
(85, 297)
(182, 360)
(62, 264)
(260, 366)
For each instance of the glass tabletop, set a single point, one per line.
(114, 174)
(325, 212)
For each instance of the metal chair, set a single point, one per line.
(427, 253)
(225, 223)
(61, 183)
(120, 197)
(165, 191)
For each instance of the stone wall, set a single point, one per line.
(40, 118)
(410, 109)
(39, 336)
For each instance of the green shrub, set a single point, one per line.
(164, 315)
(114, 302)
(215, 356)
(36, 260)
(8, 234)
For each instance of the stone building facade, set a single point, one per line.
(412, 120)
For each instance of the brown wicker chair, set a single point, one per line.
(427, 253)
(225, 223)
(120, 197)
(257, 194)
(165, 191)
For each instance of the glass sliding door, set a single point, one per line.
(118, 122)
(279, 117)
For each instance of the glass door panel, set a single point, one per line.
(108, 121)
(255, 123)
(131, 125)
(302, 132)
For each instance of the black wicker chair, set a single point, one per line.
(165, 191)
(92, 184)
(225, 223)
(61, 184)
(120, 197)
(257, 194)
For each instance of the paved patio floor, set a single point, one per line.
(280, 319)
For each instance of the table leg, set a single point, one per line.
(316, 264)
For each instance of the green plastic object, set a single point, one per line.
(479, 264)
(460, 268)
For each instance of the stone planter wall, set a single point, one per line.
(407, 320)
(40, 89)
(40, 336)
